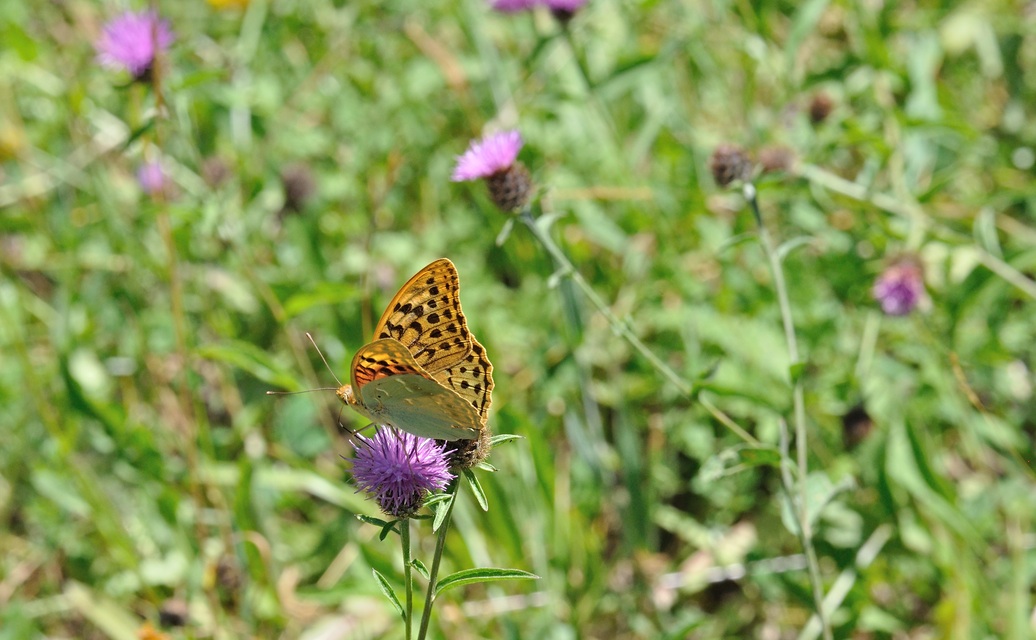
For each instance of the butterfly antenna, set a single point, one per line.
(319, 353)
(292, 393)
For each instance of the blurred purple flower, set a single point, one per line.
(566, 6)
(398, 469)
(513, 6)
(492, 154)
(151, 177)
(900, 287)
(132, 40)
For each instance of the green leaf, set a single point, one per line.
(378, 522)
(789, 246)
(441, 509)
(388, 528)
(820, 491)
(251, 359)
(325, 294)
(795, 371)
(436, 498)
(386, 589)
(505, 232)
(420, 568)
(476, 488)
(487, 574)
(504, 437)
(737, 459)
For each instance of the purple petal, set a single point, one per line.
(513, 6)
(398, 469)
(900, 287)
(569, 6)
(132, 40)
(492, 154)
(151, 177)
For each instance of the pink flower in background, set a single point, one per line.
(513, 6)
(494, 158)
(398, 469)
(900, 287)
(151, 177)
(132, 40)
(563, 9)
(492, 154)
(567, 6)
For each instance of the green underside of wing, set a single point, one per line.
(420, 406)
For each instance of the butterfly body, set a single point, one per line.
(424, 373)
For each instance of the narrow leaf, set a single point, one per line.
(500, 438)
(487, 574)
(789, 246)
(388, 528)
(248, 358)
(476, 488)
(378, 522)
(386, 589)
(505, 233)
(435, 499)
(737, 459)
(423, 570)
(441, 509)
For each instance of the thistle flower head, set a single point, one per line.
(132, 40)
(492, 154)
(299, 187)
(776, 158)
(495, 159)
(728, 164)
(465, 454)
(564, 10)
(398, 469)
(900, 287)
(820, 107)
(513, 6)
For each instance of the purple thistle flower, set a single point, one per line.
(398, 469)
(151, 177)
(566, 6)
(900, 287)
(492, 154)
(513, 6)
(132, 40)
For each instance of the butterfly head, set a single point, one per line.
(345, 394)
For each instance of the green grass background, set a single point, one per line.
(142, 462)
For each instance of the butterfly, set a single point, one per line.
(424, 372)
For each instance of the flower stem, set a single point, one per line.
(433, 573)
(799, 489)
(408, 575)
(685, 388)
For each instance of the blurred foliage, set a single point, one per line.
(148, 480)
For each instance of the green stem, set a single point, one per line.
(799, 489)
(433, 573)
(584, 70)
(408, 575)
(685, 388)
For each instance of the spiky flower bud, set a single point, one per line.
(494, 159)
(729, 163)
(398, 469)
